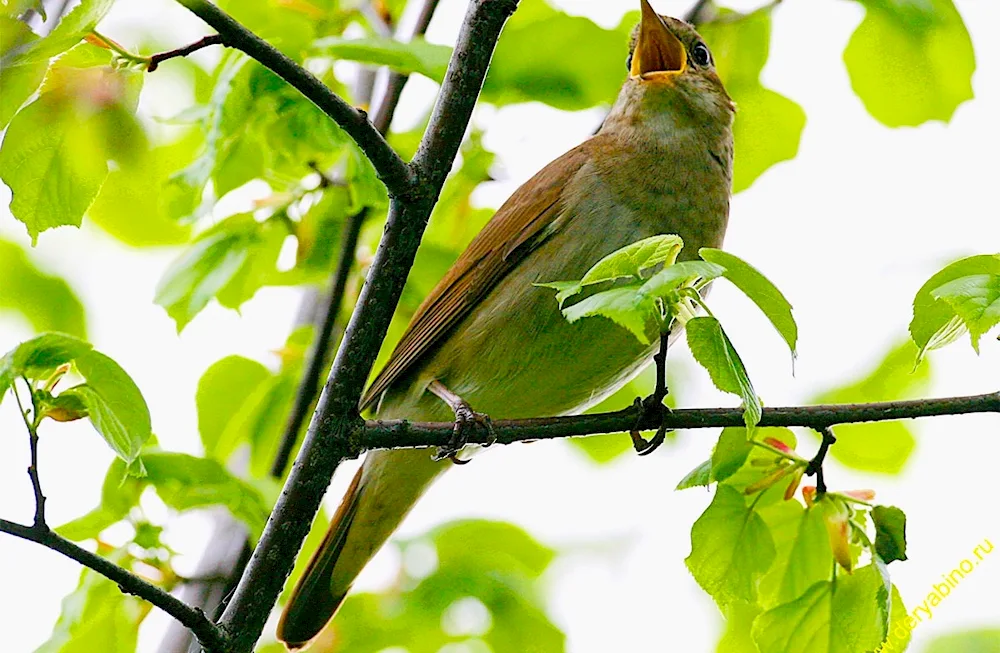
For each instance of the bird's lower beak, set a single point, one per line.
(658, 53)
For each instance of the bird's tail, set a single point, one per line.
(380, 496)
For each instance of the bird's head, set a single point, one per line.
(672, 70)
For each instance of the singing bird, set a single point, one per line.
(485, 337)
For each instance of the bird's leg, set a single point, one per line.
(653, 404)
(465, 417)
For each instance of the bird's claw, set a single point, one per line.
(650, 405)
(465, 421)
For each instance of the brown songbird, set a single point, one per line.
(661, 163)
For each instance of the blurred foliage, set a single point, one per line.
(986, 640)
(78, 143)
(46, 301)
(471, 582)
(911, 61)
(880, 447)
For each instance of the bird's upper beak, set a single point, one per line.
(658, 53)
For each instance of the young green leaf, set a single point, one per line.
(184, 482)
(97, 616)
(934, 322)
(21, 77)
(759, 289)
(39, 356)
(697, 477)
(415, 56)
(890, 533)
(632, 261)
(674, 276)
(119, 494)
(975, 300)
(848, 616)
(117, 408)
(926, 56)
(711, 347)
(731, 548)
(804, 554)
(46, 301)
(621, 306)
(731, 451)
(222, 393)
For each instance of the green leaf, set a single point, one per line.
(760, 463)
(531, 63)
(674, 276)
(880, 447)
(730, 453)
(117, 408)
(621, 306)
(711, 347)
(222, 392)
(53, 164)
(890, 533)
(20, 77)
(731, 548)
(126, 209)
(97, 616)
(760, 290)
(72, 28)
(37, 357)
(768, 126)
(119, 494)
(976, 300)
(46, 301)
(633, 261)
(984, 640)
(416, 56)
(911, 61)
(898, 637)
(739, 622)
(697, 477)
(231, 262)
(934, 322)
(804, 554)
(848, 616)
(184, 482)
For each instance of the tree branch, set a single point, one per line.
(210, 636)
(332, 432)
(156, 59)
(390, 434)
(391, 169)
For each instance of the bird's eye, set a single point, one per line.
(628, 63)
(700, 55)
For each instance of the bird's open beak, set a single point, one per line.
(658, 53)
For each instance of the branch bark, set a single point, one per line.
(332, 432)
(391, 169)
(210, 636)
(392, 434)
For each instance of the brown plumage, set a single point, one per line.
(661, 163)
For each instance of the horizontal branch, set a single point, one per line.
(392, 434)
(208, 633)
(391, 169)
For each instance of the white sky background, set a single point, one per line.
(848, 230)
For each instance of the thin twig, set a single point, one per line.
(32, 427)
(210, 636)
(402, 433)
(391, 169)
(815, 466)
(331, 434)
(156, 59)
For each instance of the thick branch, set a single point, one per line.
(401, 433)
(391, 169)
(207, 633)
(331, 434)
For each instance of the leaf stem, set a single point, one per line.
(32, 426)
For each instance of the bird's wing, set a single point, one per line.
(526, 219)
